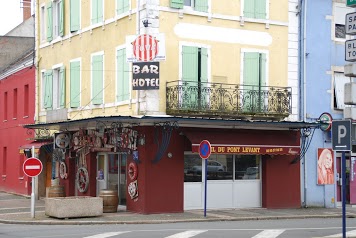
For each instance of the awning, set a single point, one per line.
(246, 141)
(37, 144)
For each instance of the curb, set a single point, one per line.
(73, 222)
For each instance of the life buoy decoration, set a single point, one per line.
(82, 179)
(63, 170)
(132, 171)
(124, 140)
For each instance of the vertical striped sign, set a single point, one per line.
(145, 47)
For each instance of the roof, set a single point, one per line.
(181, 121)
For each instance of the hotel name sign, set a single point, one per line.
(237, 149)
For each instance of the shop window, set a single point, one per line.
(220, 167)
(192, 163)
(247, 167)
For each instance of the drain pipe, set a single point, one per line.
(138, 10)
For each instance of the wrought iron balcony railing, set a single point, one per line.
(228, 100)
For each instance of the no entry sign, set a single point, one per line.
(32, 167)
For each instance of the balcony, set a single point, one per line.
(186, 98)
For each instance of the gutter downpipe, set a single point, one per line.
(138, 7)
(36, 61)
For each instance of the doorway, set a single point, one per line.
(111, 174)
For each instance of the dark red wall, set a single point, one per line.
(280, 182)
(160, 185)
(13, 135)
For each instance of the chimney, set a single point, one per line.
(26, 7)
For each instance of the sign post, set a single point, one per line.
(32, 167)
(204, 153)
(341, 141)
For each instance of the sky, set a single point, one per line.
(10, 15)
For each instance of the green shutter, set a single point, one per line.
(74, 15)
(62, 85)
(201, 5)
(48, 100)
(75, 84)
(122, 6)
(61, 23)
(94, 11)
(249, 8)
(177, 4)
(100, 11)
(190, 63)
(97, 79)
(263, 70)
(123, 91)
(260, 12)
(204, 66)
(49, 22)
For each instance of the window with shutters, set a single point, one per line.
(75, 75)
(196, 5)
(122, 78)
(339, 84)
(194, 77)
(255, 9)
(122, 6)
(74, 6)
(54, 88)
(55, 19)
(340, 11)
(254, 82)
(97, 79)
(97, 11)
(43, 24)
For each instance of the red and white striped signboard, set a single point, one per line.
(145, 48)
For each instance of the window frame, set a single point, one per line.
(243, 8)
(57, 87)
(43, 19)
(339, 14)
(98, 20)
(338, 90)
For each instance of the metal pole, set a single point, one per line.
(205, 184)
(33, 190)
(343, 162)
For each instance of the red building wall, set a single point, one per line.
(280, 182)
(160, 185)
(12, 135)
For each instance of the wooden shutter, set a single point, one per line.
(120, 75)
(190, 63)
(94, 11)
(62, 85)
(176, 4)
(48, 100)
(97, 79)
(122, 6)
(100, 10)
(201, 5)
(75, 84)
(260, 12)
(126, 82)
(204, 66)
(249, 8)
(74, 15)
(49, 22)
(61, 19)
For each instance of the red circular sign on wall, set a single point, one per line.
(32, 167)
(145, 47)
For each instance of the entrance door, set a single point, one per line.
(352, 178)
(102, 173)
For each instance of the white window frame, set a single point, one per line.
(43, 72)
(339, 80)
(56, 86)
(43, 23)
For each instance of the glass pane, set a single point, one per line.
(192, 168)
(340, 31)
(220, 167)
(113, 171)
(247, 167)
(188, 3)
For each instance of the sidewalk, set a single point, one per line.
(16, 209)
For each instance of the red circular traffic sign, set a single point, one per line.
(204, 149)
(145, 47)
(32, 167)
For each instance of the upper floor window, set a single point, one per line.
(97, 11)
(339, 84)
(197, 5)
(5, 105)
(97, 77)
(122, 80)
(340, 11)
(55, 19)
(74, 15)
(53, 82)
(255, 9)
(43, 23)
(122, 6)
(75, 83)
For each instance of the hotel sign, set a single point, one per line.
(259, 150)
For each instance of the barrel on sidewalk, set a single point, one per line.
(110, 200)
(56, 191)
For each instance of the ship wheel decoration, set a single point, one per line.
(82, 179)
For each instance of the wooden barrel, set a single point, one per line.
(110, 200)
(56, 191)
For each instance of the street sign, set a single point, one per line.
(32, 167)
(341, 135)
(350, 50)
(204, 149)
(350, 23)
(351, 3)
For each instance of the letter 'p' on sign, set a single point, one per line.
(341, 135)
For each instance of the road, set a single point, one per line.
(291, 228)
